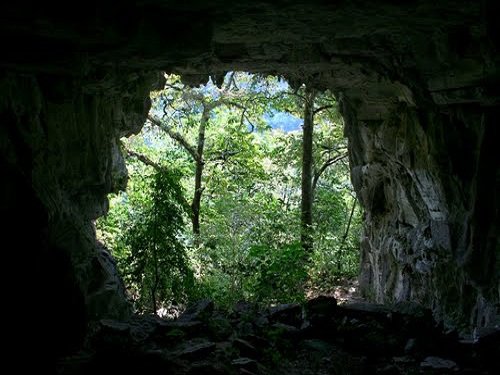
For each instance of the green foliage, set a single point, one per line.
(149, 249)
(276, 274)
(249, 247)
(158, 258)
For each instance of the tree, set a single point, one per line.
(196, 106)
(149, 247)
(312, 103)
(307, 169)
(251, 188)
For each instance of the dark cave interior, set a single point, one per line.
(418, 83)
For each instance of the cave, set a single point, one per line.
(418, 84)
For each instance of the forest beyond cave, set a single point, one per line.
(416, 83)
(213, 204)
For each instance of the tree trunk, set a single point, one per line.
(156, 282)
(307, 173)
(344, 237)
(200, 164)
(195, 206)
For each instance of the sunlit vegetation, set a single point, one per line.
(215, 201)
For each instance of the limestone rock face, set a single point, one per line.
(429, 230)
(418, 86)
(60, 157)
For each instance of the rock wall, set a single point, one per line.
(59, 159)
(428, 182)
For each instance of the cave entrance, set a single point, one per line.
(226, 201)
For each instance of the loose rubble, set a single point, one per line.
(318, 337)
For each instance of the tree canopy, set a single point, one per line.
(215, 156)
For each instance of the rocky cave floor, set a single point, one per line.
(320, 337)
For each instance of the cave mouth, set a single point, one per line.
(214, 203)
(418, 93)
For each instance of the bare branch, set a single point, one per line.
(175, 136)
(344, 237)
(144, 159)
(222, 101)
(233, 104)
(223, 156)
(322, 108)
(157, 167)
(296, 93)
(328, 150)
(323, 168)
(245, 117)
(173, 87)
